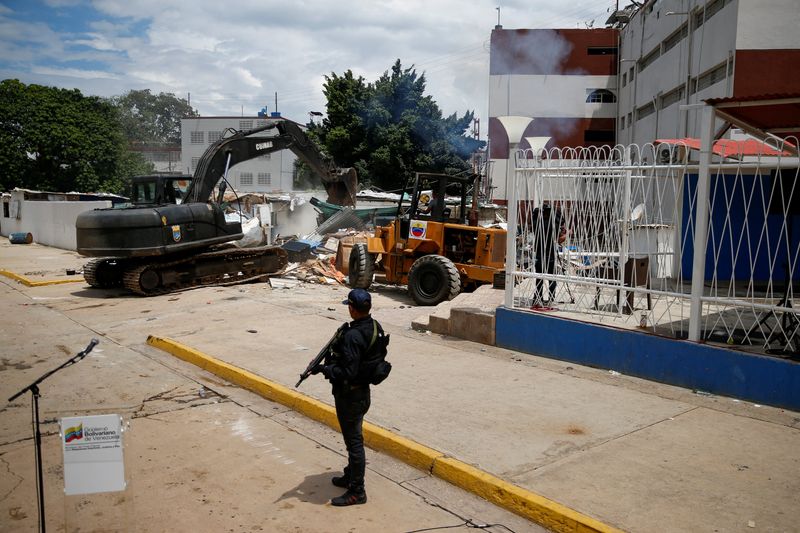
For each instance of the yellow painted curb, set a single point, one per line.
(523, 502)
(27, 282)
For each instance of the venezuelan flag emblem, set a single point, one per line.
(73, 433)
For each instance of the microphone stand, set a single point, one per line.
(37, 434)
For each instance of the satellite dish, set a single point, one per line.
(637, 213)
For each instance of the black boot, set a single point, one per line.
(350, 498)
(341, 481)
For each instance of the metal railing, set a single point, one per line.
(609, 234)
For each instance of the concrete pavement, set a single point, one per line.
(636, 455)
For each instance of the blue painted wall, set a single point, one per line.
(750, 196)
(760, 379)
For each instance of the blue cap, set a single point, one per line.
(360, 299)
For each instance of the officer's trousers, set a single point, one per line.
(351, 406)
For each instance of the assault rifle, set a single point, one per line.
(323, 353)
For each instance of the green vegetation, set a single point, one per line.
(390, 129)
(149, 118)
(60, 140)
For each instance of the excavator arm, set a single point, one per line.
(341, 184)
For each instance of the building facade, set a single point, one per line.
(675, 52)
(270, 173)
(564, 80)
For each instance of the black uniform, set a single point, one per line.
(351, 394)
(546, 227)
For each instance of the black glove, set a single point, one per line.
(317, 369)
(326, 371)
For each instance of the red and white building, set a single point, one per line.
(564, 80)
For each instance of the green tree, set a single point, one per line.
(60, 140)
(148, 118)
(390, 129)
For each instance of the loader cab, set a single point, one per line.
(159, 189)
(428, 200)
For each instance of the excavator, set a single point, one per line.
(166, 247)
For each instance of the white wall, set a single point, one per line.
(549, 96)
(760, 29)
(50, 223)
(279, 165)
(708, 46)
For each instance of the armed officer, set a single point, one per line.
(351, 392)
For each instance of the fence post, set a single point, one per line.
(701, 222)
(511, 235)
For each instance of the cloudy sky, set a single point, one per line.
(231, 57)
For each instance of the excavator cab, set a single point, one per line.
(159, 189)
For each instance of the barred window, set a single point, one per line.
(264, 178)
(649, 58)
(246, 178)
(214, 136)
(245, 124)
(197, 137)
(709, 78)
(266, 156)
(260, 122)
(674, 96)
(645, 110)
(675, 38)
(195, 162)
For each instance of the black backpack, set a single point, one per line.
(374, 367)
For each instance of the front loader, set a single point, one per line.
(438, 253)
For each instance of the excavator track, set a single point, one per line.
(229, 266)
(104, 273)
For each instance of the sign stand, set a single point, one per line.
(34, 388)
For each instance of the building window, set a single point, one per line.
(197, 137)
(264, 178)
(624, 79)
(214, 136)
(622, 123)
(245, 124)
(6, 212)
(600, 96)
(649, 58)
(672, 97)
(246, 178)
(260, 123)
(195, 162)
(601, 50)
(645, 110)
(630, 119)
(675, 38)
(266, 157)
(630, 74)
(598, 136)
(709, 78)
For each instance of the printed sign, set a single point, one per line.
(93, 460)
(419, 229)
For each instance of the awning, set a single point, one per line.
(776, 114)
(728, 147)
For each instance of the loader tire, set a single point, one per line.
(433, 279)
(361, 267)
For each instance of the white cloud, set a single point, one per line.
(231, 56)
(74, 73)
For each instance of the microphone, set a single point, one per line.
(92, 344)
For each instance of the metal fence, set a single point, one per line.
(609, 234)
